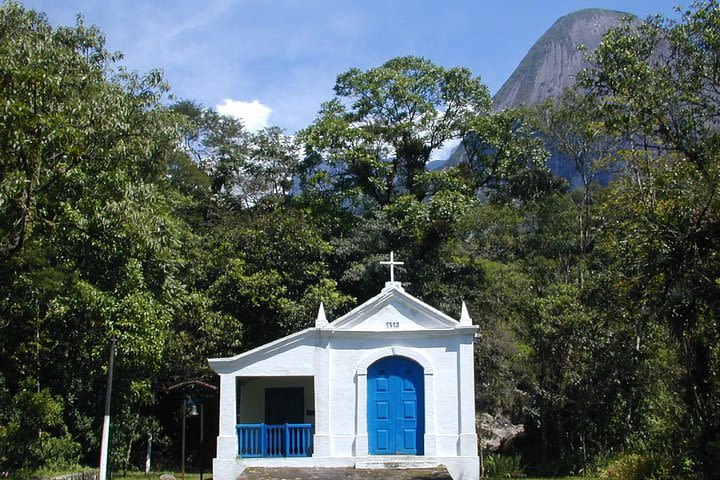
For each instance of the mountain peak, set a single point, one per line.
(553, 62)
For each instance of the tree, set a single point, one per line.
(269, 268)
(381, 128)
(505, 159)
(571, 129)
(244, 168)
(273, 161)
(218, 144)
(660, 82)
(89, 243)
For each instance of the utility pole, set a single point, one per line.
(106, 418)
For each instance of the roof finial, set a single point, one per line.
(321, 319)
(392, 264)
(464, 315)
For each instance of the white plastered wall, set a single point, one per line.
(333, 361)
(445, 364)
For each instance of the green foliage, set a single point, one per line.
(505, 158)
(377, 135)
(630, 467)
(503, 466)
(178, 232)
(272, 271)
(240, 168)
(89, 241)
(33, 434)
(657, 82)
(659, 79)
(572, 129)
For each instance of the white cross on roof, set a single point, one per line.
(392, 264)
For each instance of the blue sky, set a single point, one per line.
(275, 61)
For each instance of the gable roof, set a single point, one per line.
(394, 296)
(302, 338)
(391, 311)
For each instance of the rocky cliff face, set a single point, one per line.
(554, 61)
(548, 69)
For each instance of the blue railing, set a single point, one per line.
(288, 440)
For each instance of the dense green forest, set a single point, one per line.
(126, 213)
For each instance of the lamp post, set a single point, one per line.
(188, 408)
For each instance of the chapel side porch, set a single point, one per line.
(275, 417)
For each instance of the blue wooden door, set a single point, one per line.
(396, 420)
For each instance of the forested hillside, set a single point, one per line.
(126, 214)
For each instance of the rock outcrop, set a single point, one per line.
(553, 62)
(496, 432)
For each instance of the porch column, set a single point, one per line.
(321, 438)
(467, 443)
(227, 437)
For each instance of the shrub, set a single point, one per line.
(34, 435)
(630, 467)
(503, 466)
(60, 452)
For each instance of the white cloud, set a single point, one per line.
(253, 114)
(443, 153)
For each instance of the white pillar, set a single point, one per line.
(467, 442)
(430, 440)
(361, 433)
(227, 437)
(321, 438)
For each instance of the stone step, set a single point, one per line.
(399, 462)
(316, 473)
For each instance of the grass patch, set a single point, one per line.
(39, 474)
(47, 473)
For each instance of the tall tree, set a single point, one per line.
(571, 128)
(89, 243)
(505, 159)
(381, 128)
(660, 81)
(219, 144)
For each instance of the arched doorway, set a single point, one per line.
(395, 407)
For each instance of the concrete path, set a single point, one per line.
(257, 473)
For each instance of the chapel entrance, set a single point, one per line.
(396, 417)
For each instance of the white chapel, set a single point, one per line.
(389, 383)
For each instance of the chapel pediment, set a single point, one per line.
(394, 310)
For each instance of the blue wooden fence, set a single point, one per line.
(288, 440)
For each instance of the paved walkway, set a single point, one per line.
(257, 473)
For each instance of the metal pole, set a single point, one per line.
(202, 424)
(106, 418)
(182, 462)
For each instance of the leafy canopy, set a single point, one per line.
(381, 128)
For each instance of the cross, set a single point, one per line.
(392, 264)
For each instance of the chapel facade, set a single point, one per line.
(389, 383)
